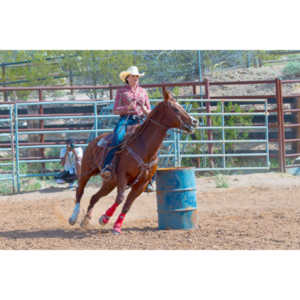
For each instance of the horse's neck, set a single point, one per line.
(152, 138)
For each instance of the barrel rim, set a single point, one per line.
(174, 169)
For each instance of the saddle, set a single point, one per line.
(105, 141)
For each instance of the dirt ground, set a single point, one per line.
(256, 211)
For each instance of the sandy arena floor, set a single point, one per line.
(257, 211)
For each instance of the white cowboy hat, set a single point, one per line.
(133, 70)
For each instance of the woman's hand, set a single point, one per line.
(131, 107)
(143, 107)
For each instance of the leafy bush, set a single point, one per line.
(5, 188)
(221, 181)
(155, 93)
(292, 69)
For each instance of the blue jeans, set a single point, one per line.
(119, 135)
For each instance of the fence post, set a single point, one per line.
(198, 160)
(71, 80)
(12, 144)
(296, 145)
(17, 147)
(280, 122)
(96, 119)
(3, 83)
(110, 92)
(209, 122)
(42, 136)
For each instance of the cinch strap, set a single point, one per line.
(142, 165)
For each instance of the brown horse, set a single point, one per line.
(134, 164)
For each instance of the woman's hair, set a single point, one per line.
(126, 79)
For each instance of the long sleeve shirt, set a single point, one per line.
(125, 96)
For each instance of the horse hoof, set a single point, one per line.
(103, 220)
(72, 221)
(85, 222)
(117, 230)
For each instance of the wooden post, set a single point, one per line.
(71, 80)
(110, 92)
(194, 137)
(280, 122)
(296, 146)
(209, 123)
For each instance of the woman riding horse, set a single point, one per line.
(136, 162)
(132, 104)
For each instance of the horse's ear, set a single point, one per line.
(166, 94)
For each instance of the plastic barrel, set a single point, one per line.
(176, 198)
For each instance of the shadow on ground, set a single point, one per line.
(55, 233)
(54, 189)
(67, 234)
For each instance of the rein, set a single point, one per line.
(158, 124)
(144, 167)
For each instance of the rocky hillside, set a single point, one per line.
(245, 74)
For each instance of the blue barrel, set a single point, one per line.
(176, 198)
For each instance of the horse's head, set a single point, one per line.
(175, 116)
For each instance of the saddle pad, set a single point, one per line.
(105, 140)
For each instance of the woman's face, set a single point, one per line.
(133, 80)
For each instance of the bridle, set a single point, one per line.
(165, 127)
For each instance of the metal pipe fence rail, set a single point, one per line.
(178, 148)
(176, 145)
(219, 150)
(7, 162)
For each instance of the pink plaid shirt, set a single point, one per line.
(127, 95)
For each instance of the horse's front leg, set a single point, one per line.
(134, 193)
(121, 186)
(105, 189)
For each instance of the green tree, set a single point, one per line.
(35, 70)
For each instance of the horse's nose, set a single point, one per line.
(195, 122)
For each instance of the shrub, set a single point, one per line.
(221, 181)
(292, 69)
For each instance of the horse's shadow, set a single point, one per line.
(138, 229)
(55, 233)
(48, 190)
(54, 189)
(66, 234)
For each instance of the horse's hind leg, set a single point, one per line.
(79, 192)
(106, 188)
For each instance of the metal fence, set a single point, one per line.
(7, 159)
(210, 148)
(220, 145)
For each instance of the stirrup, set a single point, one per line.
(106, 173)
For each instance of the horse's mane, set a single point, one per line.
(139, 130)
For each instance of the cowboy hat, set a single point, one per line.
(133, 70)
